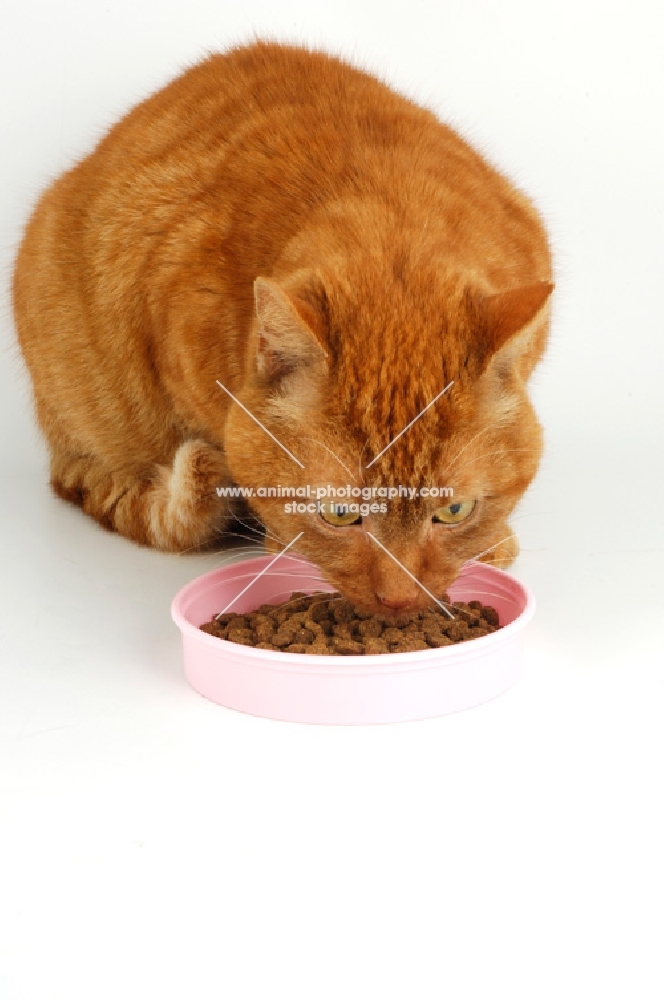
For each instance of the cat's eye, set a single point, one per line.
(454, 513)
(338, 516)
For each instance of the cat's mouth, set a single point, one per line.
(397, 613)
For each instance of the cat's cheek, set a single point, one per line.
(504, 553)
(443, 560)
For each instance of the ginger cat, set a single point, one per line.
(281, 223)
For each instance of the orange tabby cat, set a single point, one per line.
(286, 225)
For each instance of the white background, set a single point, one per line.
(153, 844)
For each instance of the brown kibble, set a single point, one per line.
(373, 646)
(298, 607)
(343, 612)
(212, 628)
(326, 624)
(319, 611)
(347, 647)
(456, 631)
(490, 615)
(298, 619)
(264, 632)
(257, 618)
(319, 649)
(362, 615)
(434, 619)
(410, 644)
(370, 628)
(434, 630)
(239, 621)
(437, 641)
(242, 635)
(283, 637)
(224, 619)
(403, 618)
(304, 635)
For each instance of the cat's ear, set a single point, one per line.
(509, 319)
(290, 330)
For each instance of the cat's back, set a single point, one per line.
(284, 129)
(256, 98)
(263, 136)
(234, 158)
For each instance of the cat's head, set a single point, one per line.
(336, 375)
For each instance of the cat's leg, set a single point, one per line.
(170, 508)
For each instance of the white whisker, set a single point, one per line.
(249, 575)
(204, 545)
(484, 552)
(262, 534)
(263, 571)
(467, 444)
(499, 451)
(240, 550)
(335, 456)
(255, 542)
(530, 513)
(359, 460)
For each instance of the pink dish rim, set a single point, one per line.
(374, 663)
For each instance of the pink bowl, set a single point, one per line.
(346, 690)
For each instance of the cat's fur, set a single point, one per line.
(392, 260)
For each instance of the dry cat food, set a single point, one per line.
(325, 623)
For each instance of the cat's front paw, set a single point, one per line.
(198, 469)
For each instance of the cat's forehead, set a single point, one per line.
(404, 375)
(408, 338)
(413, 403)
(403, 440)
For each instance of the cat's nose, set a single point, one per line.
(396, 605)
